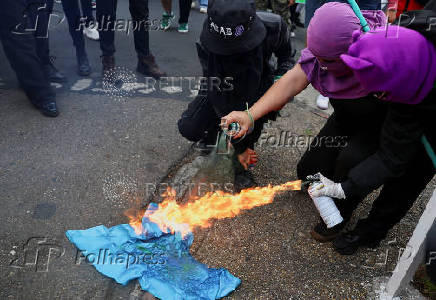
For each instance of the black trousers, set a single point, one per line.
(20, 49)
(397, 195)
(185, 9)
(76, 19)
(106, 16)
(40, 14)
(200, 122)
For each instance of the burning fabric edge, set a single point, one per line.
(198, 212)
(160, 260)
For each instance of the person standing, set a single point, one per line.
(20, 50)
(75, 22)
(168, 15)
(39, 13)
(106, 16)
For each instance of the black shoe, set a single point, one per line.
(243, 180)
(323, 234)
(83, 66)
(348, 243)
(52, 73)
(48, 108)
(147, 66)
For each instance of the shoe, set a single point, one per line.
(194, 4)
(108, 63)
(243, 180)
(52, 73)
(48, 109)
(323, 234)
(94, 4)
(83, 66)
(167, 18)
(203, 9)
(322, 102)
(348, 243)
(147, 66)
(183, 28)
(292, 34)
(91, 32)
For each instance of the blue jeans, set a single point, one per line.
(203, 3)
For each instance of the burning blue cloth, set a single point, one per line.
(161, 261)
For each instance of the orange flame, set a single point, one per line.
(183, 218)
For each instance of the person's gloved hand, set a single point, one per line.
(326, 188)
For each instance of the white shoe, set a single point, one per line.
(194, 4)
(92, 32)
(203, 10)
(322, 102)
(292, 34)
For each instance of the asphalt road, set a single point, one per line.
(89, 165)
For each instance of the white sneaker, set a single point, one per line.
(322, 102)
(203, 10)
(292, 34)
(92, 32)
(194, 4)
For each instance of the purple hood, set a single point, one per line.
(400, 62)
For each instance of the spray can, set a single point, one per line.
(232, 129)
(327, 209)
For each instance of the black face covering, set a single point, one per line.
(235, 80)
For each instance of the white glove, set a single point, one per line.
(326, 188)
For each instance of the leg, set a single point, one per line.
(75, 26)
(21, 53)
(185, 9)
(139, 12)
(396, 198)
(199, 121)
(39, 13)
(106, 16)
(319, 157)
(146, 61)
(203, 3)
(167, 6)
(87, 10)
(358, 148)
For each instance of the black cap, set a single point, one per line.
(232, 27)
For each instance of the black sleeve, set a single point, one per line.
(283, 50)
(400, 140)
(203, 56)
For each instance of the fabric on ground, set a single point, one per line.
(161, 261)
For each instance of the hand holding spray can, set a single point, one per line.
(328, 211)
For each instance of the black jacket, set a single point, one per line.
(400, 142)
(277, 41)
